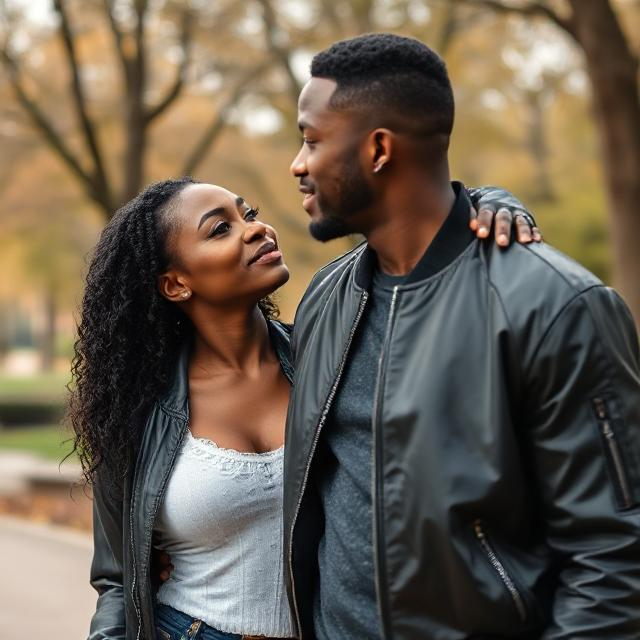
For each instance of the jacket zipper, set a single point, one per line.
(500, 569)
(323, 417)
(134, 594)
(614, 450)
(163, 489)
(377, 482)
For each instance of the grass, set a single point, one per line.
(50, 385)
(46, 441)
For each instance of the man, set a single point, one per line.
(444, 482)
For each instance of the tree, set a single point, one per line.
(129, 26)
(612, 67)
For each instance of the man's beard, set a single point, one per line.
(353, 194)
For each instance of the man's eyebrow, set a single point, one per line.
(214, 212)
(239, 201)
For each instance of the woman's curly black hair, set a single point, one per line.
(129, 335)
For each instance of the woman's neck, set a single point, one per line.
(230, 342)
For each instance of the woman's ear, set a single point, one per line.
(380, 148)
(173, 287)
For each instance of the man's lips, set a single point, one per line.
(308, 197)
(268, 252)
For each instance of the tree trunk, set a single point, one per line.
(538, 147)
(134, 158)
(613, 71)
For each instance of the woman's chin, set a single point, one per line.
(277, 276)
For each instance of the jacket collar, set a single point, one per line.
(451, 240)
(176, 399)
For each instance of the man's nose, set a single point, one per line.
(299, 165)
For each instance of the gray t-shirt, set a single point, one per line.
(345, 598)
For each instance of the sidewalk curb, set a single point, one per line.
(55, 532)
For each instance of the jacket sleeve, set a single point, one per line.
(494, 198)
(108, 622)
(584, 407)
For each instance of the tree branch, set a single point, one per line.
(118, 39)
(51, 136)
(80, 101)
(525, 9)
(176, 89)
(141, 7)
(280, 53)
(217, 124)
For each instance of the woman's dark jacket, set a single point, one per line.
(506, 444)
(123, 527)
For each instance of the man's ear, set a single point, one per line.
(380, 148)
(173, 287)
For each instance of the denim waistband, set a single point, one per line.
(172, 624)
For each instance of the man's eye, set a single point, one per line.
(308, 141)
(217, 229)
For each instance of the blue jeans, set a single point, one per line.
(172, 624)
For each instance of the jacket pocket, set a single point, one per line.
(626, 492)
(500, 570)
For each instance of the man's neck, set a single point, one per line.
(415, 219)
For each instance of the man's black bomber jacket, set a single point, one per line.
(506, 444)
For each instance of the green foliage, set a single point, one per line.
(46, 385)
(48, 441)
(575, 224)
(34, 400)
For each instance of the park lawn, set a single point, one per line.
(48, 441)
(50, 385)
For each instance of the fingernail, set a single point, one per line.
(483, 231)
(502, 239)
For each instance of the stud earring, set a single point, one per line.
(378, 166)
(185, 294)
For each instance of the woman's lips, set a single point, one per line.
(268, 258)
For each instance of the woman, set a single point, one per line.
(182, 381)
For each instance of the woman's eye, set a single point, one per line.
(308, 141)
(252, 214)
(217, 229)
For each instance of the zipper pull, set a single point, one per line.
(603, 416)
(601, 408)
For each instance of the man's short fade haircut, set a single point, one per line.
(391, 74)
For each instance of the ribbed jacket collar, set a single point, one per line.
(451, 240)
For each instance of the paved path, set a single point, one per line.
(44, 581)
(19, 468)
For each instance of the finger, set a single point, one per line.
(523, 230)
(503, 221)
(537, 235)
(164, 576)
(485, 218)
(473, 218)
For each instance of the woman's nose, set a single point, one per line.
(254, 229)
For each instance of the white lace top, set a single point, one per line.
(221, 522)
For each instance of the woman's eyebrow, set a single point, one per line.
(214, 212)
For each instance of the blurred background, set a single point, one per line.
(100, 97)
